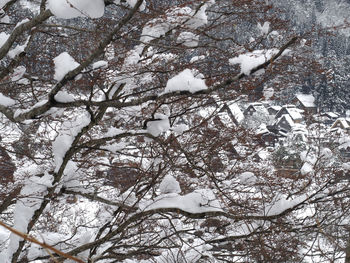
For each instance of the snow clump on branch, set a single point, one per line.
(63, 64)
(169, 185)
(185, 81)
(76, 8)
(159, 125)
(6, 101)
(184, 16)
(251, 60)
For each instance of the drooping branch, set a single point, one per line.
(41, 244)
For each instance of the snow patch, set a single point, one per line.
(5, 19)
(131, 59)
(197, 58)
(181, 128)
(63, 64)
(3, 3)
(76, 8)
(132, 3)
(282, 204)
(346, 166)
(169, 185)
(100, 64)
(18, 73)
(251, 60)
(113, 131)
(199, 18)
(307, 168)
(66, 137)
(264, 29)
(6, 101)
(247, 178)
(31, 197)
(183, 16)
(188, 39)
(36, 105)
(199, 201)
(4, 235)
(64, 97)
(18, 49)
(161, 124)
(3, 38)
(185, 81)
(71, 176)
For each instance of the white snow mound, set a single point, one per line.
(63, 64)
(185, 81)
(75, 8)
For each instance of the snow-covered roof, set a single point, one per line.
(225, 118)
(236, 112)
(343, 122)
(216, 98)
(207, 112)
(275, 107)
(299, 128)
(263, 155)
(294, 113)
(282, 133)
(337, 131)
(287, 118)
(289, 106)
(262, 129)
(306, 100)
(331, 114)
(257, 106)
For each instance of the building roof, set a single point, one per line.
(294, 113)
(256, 104)
(225, 118)
(288, 119)
(258, 107)
(299, 128)
(289, 106)
(262, 129)
(343, 122)
(236, 112)
(307, 100)
(275, 107)
(330, 114)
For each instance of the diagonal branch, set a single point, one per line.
(43, 245)
(21, 29)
